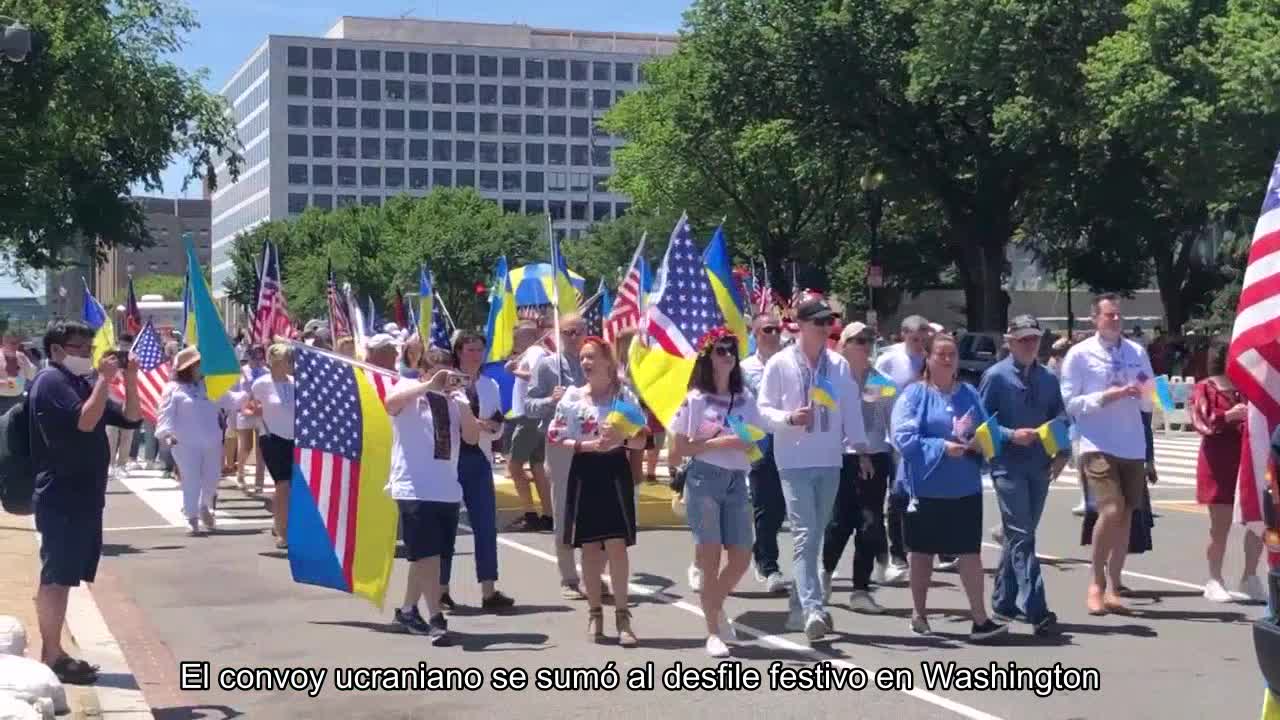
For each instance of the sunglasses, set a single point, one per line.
(858, 340)
(726, 350)
(571, 333)
(771, 330)
(824, 322)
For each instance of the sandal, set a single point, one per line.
(71, 671)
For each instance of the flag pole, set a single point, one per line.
(555, 299)
(444, 310)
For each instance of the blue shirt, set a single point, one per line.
(1020, 398)
(923, 421)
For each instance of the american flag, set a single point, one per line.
(1253, 361)
(440, 333)
(153, 373)
(272, 316)
(626, 310)
(686, 307)
(593, 315)
(339, 324)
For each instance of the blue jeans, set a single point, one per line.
(476, 478)
(718, 509)
(810, 494)
(1019, 588)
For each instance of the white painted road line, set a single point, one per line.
(164, 496)
(1130, 573)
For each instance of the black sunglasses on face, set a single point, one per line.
(726, 350)
(771, 330)
(571, 333)
(860, 341)
(824, 322)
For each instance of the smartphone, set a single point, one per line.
(457, 380)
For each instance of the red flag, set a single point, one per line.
(132, 316)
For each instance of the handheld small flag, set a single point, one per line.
(988, 437)
(750, 434)
(823, 392)
(426, 297)
(627, 417)
(1054, 437)
(1161, 393)
(881, 385)
(104, 336)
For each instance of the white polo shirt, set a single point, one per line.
(1089, 369)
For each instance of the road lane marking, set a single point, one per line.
(1130, 573)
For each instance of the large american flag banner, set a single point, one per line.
(1253, 362)
(628, 306)
(153, 373)
(686, 308)
(271, 318)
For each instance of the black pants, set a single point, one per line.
(277, 454)
(859, 508)
(769, 509)
(897, 544)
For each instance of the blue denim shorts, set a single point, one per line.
(718, 505)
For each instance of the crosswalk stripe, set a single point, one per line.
(164, 496)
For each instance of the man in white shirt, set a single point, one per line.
(1106, 388)
(809, 437)
(528, 444)
(769, 508)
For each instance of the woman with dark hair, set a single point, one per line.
(940, 472)
(718, 506)
(475, 472)
(1218, 413)
(600, 510)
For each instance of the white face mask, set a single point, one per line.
(81, 366)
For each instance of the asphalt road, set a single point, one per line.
(228, 600)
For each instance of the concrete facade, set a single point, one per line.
(167, 220)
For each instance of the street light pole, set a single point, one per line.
(871, 182)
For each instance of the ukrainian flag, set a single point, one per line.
(1054, 437)
(500, 330)
(720, 273)
(104, 336)
(1162, 394)
(426, 295)
(627, 417)
(988, 437)
(188, 319)
(750, 434)
(881, 385)
(218, 361)
(564, 293)
(823, 392)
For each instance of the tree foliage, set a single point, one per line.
(166, 285)
(97, 107)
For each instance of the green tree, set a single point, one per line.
(167, 286)
(97, 107)
(606, 249)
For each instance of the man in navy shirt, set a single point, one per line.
(69, 410)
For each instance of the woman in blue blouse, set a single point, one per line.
(940, 471)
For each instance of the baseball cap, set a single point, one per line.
(379, 341)
(1024, 326)
(814, 309)
(855, 329)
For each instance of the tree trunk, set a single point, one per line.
(1173, 267)
(980, 261)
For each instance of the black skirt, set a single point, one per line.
(944, 526)
(601, 501)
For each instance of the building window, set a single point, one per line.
(347, 117)
(346, 200)
(533, 124)
(371, 118)
(620, 209)
(322, 175)
(511, 95)
(419, 150)
(395, 119)
(394, 61)
(600, 211)
(441, 151)
(395, 177)
(418, 120)
(346, 59)
(488, 179)
(297, 115)
(597, 131)
(324, 202)
(532, 207)
(370, 176)
(510, 153)
(557, 182)
(321, 116)
(533, 153)
(601, 99)
(511, 67)
(533, 96)
(465, 94)
(489, 153)
(556, 154)
(370, 200)
(578, 70)
(465, 178)
(511, 124)
(488, 123)
(622, 72)
(297, 174)
(321, 58)
(600, 183)
(579, 182)
(578, 127)
(555, 69)
(370, 148)
(464, 151)
(511, 206)
(533, 182)
(297, 202)
(346, 176)
(441, 64)
(322, 88)
(488, 94)
(321, 146)
(488, 66)
(297, 56)
(555, 208)
(297, 146)
(578, 210)
(556, 97)
(601, 156)
(346, 147)
(466, 122)
(578, 98)
(442, 177)
(442, 93)
(579, 156)
(370, 90)
(418, 92)
(346, 88)
(533, 69)
(297, 85)
(394, 89)
(418, 178)
(556, 125)
(600, 71)
(464, 64)
(370, 60)
(418, 63)
(394, 149)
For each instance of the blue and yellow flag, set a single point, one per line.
(1162, 394)
(218, 361)
(988, 437)
(754, 436)
(342, 523)
(823, 392)
(499, 332)
(564, 295)
(880, 385)
(1054, 437)
(426, 297)
(627, 417)
(188, 318)
(732, 304)
(104, 335)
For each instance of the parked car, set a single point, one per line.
(981, 350)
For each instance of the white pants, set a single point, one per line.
(201, 468)
(121, 441)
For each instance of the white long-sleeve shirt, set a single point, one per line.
(1089, 369)
(187, 414)
(785, 388)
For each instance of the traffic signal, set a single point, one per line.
(481, 289)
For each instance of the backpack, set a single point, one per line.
(17, 476)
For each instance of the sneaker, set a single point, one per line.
(997, 534)
(878, 572)
(1078, 510)
(725, 628)
(193, 527)
(896, 574)
(546, 524)
(447, 603)
(497, 601)
(861, 601)
(571, 592)
(986, 631)
(760, 577)
(439, 632)
(826, 578)
(1253, 589)
(1005, 617)
(1214, 592)
(695, 579)
(815, 626)
(946, 563)
(411, 622)
(775, 583)
(1048, 625)
(206, 515)
(716, 647)
(528, 522)
(920, 626)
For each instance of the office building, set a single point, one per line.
(167, 219)
(380, 107)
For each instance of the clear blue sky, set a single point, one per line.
(230, 29)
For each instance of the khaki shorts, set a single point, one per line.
(1111, 478)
